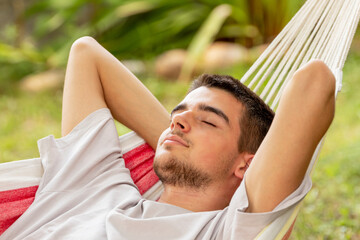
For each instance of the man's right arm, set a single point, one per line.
(96, 79)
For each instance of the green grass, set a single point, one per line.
(330, 211)
(25, 118)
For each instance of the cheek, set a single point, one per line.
(207, 147)
(210, 146)
(163, 135)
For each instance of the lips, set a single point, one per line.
(175, 140)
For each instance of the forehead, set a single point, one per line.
(214, 97)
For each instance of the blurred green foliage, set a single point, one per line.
(41, 33)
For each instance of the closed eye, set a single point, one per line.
(209, 123)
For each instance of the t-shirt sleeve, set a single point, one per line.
(247, 225)
(89, 156)
(84, 178)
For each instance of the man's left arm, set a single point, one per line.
(304, 114)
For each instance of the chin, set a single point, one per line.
(162, 153)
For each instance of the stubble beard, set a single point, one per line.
(174, 172)
(171, 171)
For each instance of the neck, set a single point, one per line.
(210, 199)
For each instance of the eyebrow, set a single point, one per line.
(217, 111)
(203, 107)
(179, 107)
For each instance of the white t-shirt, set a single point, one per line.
(87, 193)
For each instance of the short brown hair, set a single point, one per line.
(257, 115)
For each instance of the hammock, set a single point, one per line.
(322, 29)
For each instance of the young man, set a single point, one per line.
(201, 156)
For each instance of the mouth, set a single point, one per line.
(175, 140)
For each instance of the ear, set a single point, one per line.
(243, 164)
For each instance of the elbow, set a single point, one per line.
(83, 44)
(84, 49)
(316, 77)
(317, 85)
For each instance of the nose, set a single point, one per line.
(181, 122)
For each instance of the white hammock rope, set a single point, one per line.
(303, 48)
(279, 41)
(321, 29)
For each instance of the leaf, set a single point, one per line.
(203, 38)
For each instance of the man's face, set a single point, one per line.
(200, 145)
